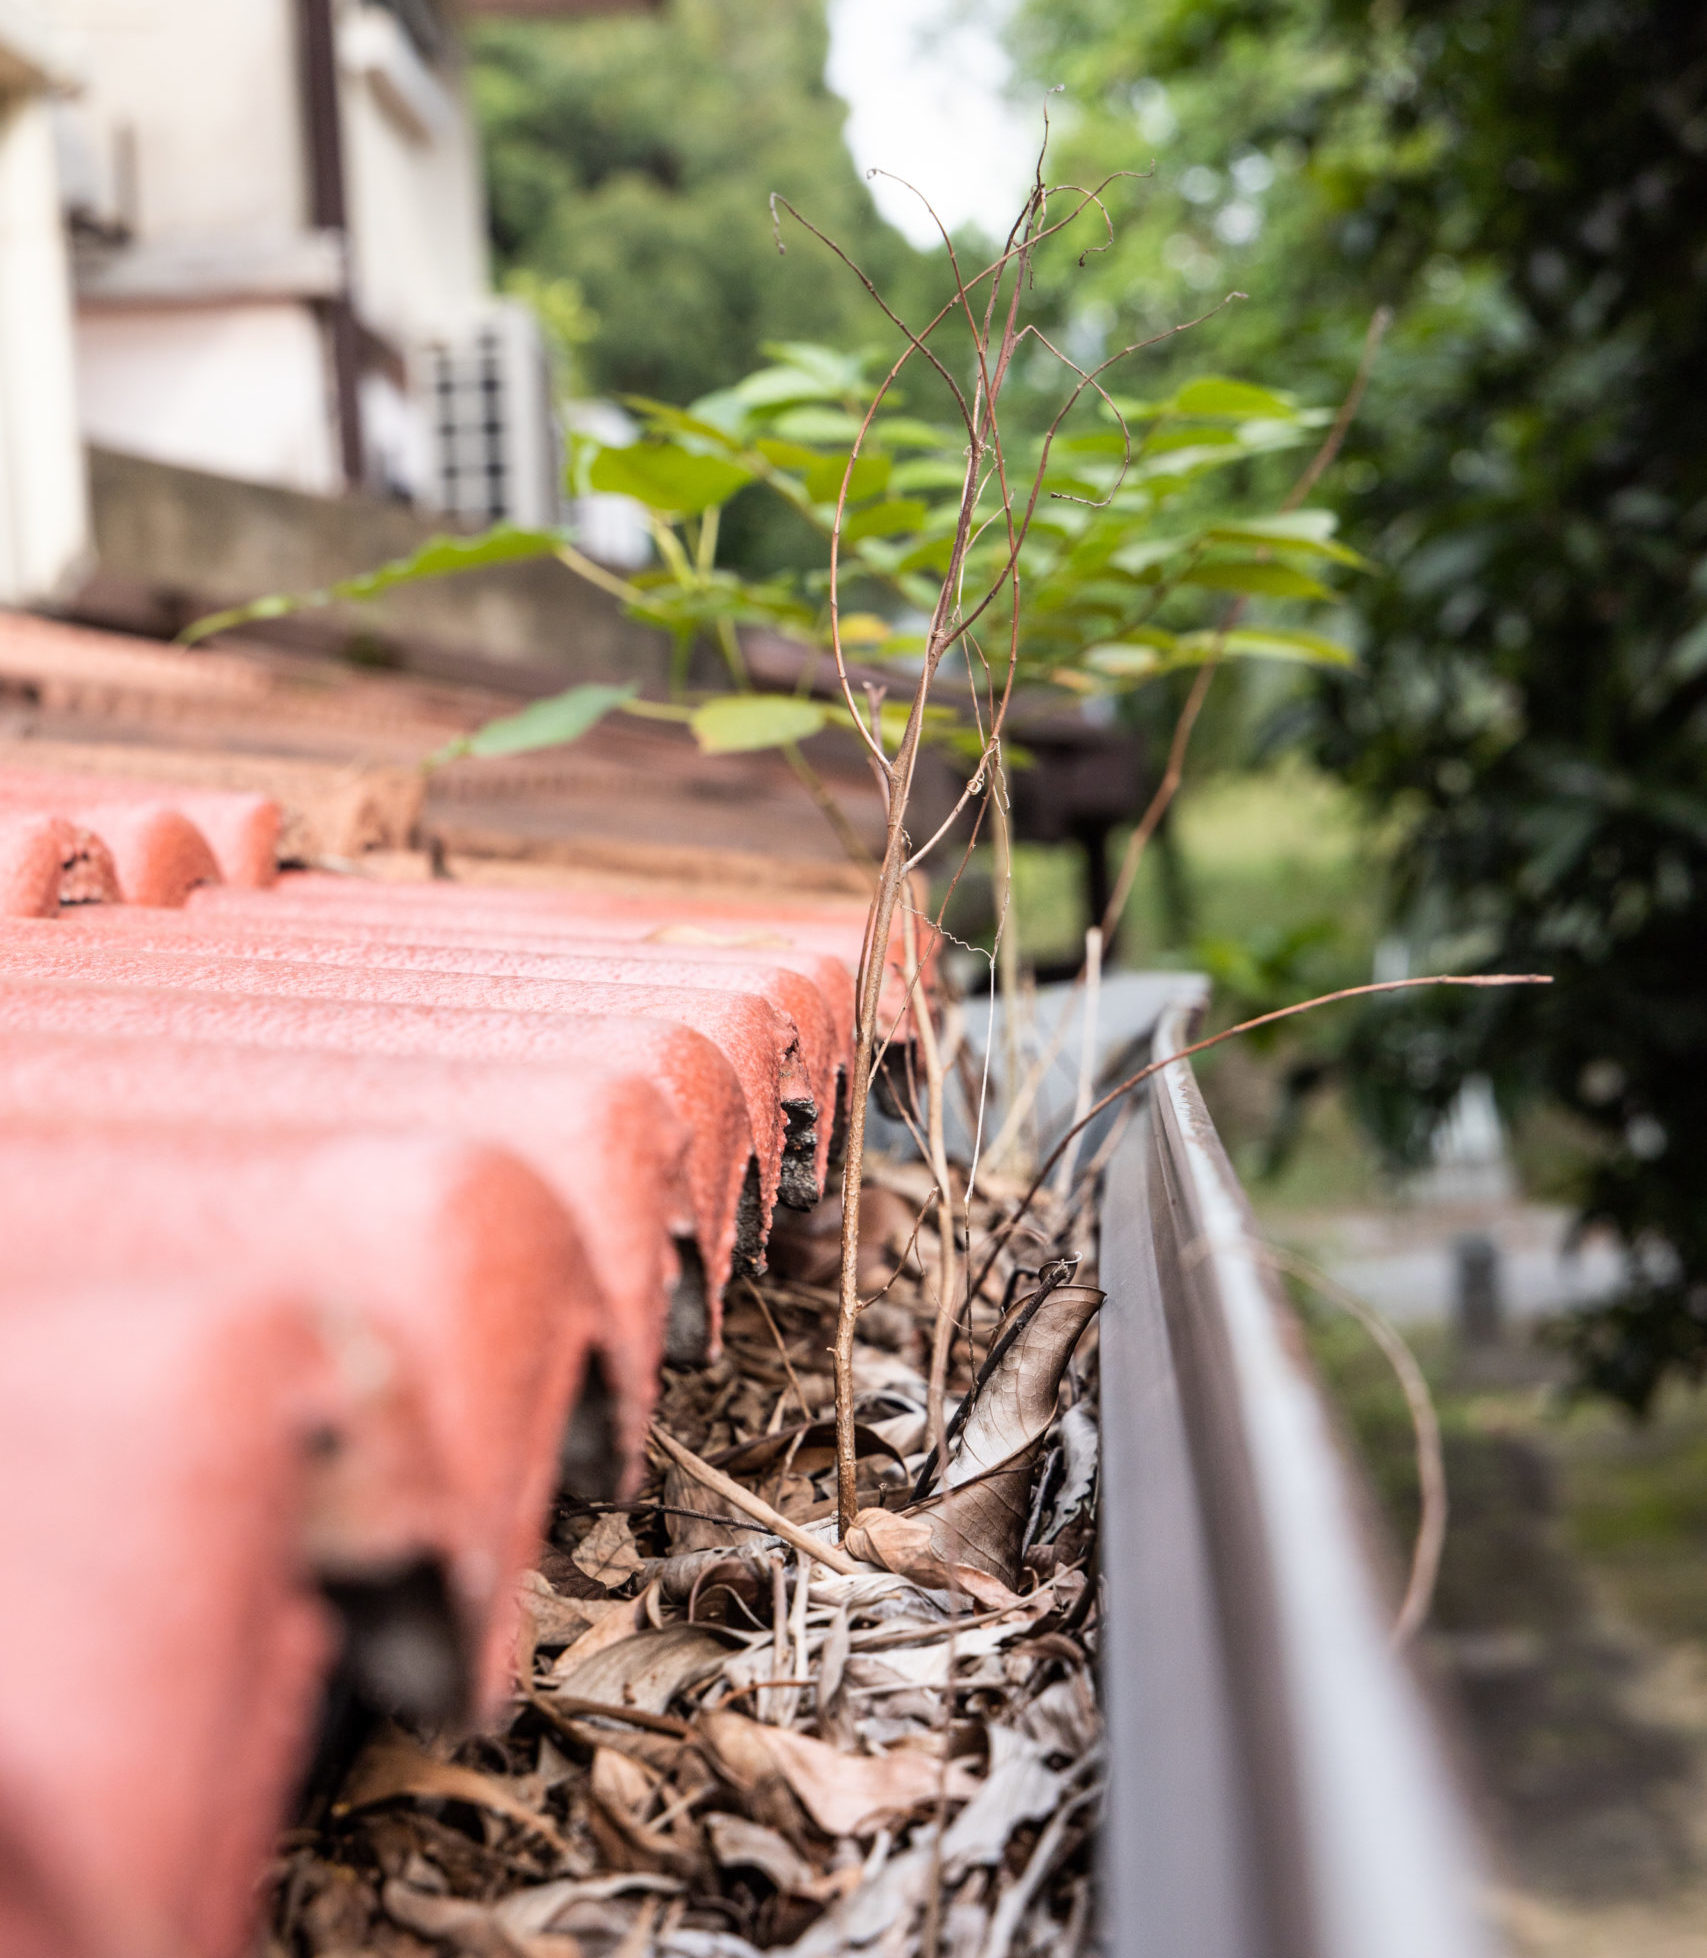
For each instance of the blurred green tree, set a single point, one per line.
(636, 155)
(1525, 182)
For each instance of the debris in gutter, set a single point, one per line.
(718, 1744)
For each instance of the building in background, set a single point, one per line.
(44, 516)
(273, 217)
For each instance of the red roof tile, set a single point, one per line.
(163, 1648)
(47, 862)
(61, 983)
(609, 1146)
(451, 1298)
(377, 1163)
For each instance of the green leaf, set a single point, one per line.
(929, 472)
(438, 557)
(787, 455)
(736, 723)
(831, 371)
(870, 478)
(552, 723)
(671, 480)
(1268, 642)
(781, 387)
(663, 419)
(1310, 533)
(1146, 555)
(1233, 400)
(1259, 579)
(899, 516)
(811, 424)
(1134, 658)
(907, 432)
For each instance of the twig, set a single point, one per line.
(1166, 790)
(942, 1333)
(1379, 321)
(559, 1707)
(1431, 1465)
(1230, 1033)
(756, 1507)
(788, 1364)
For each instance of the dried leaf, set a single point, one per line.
(1063, 1717)
(883, 1908)
(617, 1620)
(1079, 1450)
(812, 1445)
(1018, 1788)
(606, 1553)
(526, 1913)
(740, 1844)
(914, 1544)
(645, 1670)
(1016, 1404)
(845, 1794)
(621, 1782)
(557, 1620)
(980, 1518)
(393, 1766)
(466, 1927)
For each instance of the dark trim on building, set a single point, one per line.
(328, 203)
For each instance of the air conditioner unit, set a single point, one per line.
(495, 452)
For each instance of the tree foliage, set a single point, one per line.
(635, 155)
(1527, 184)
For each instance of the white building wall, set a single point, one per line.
(189, 113)
(44, 518)
(240, 390)
(412, 165)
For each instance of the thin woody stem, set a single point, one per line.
(1137, 1080)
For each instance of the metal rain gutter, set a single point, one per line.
(1277, 1790)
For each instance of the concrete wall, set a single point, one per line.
(174, 544)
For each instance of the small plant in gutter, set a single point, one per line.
(1087, 553)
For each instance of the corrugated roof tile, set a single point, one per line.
(47, 862)
(452, 1297)
(378, 1162)
(164, 1651)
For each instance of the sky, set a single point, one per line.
(926, 84)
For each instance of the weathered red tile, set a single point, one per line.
(760, 1043)
(609, 1146)
(455, 1300)
(162, 1650)
(241, 829)
(823, 1032)
(62, 983)
(47, 862)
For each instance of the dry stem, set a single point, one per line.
(755, 1506)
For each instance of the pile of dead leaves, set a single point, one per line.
(719, 1744)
